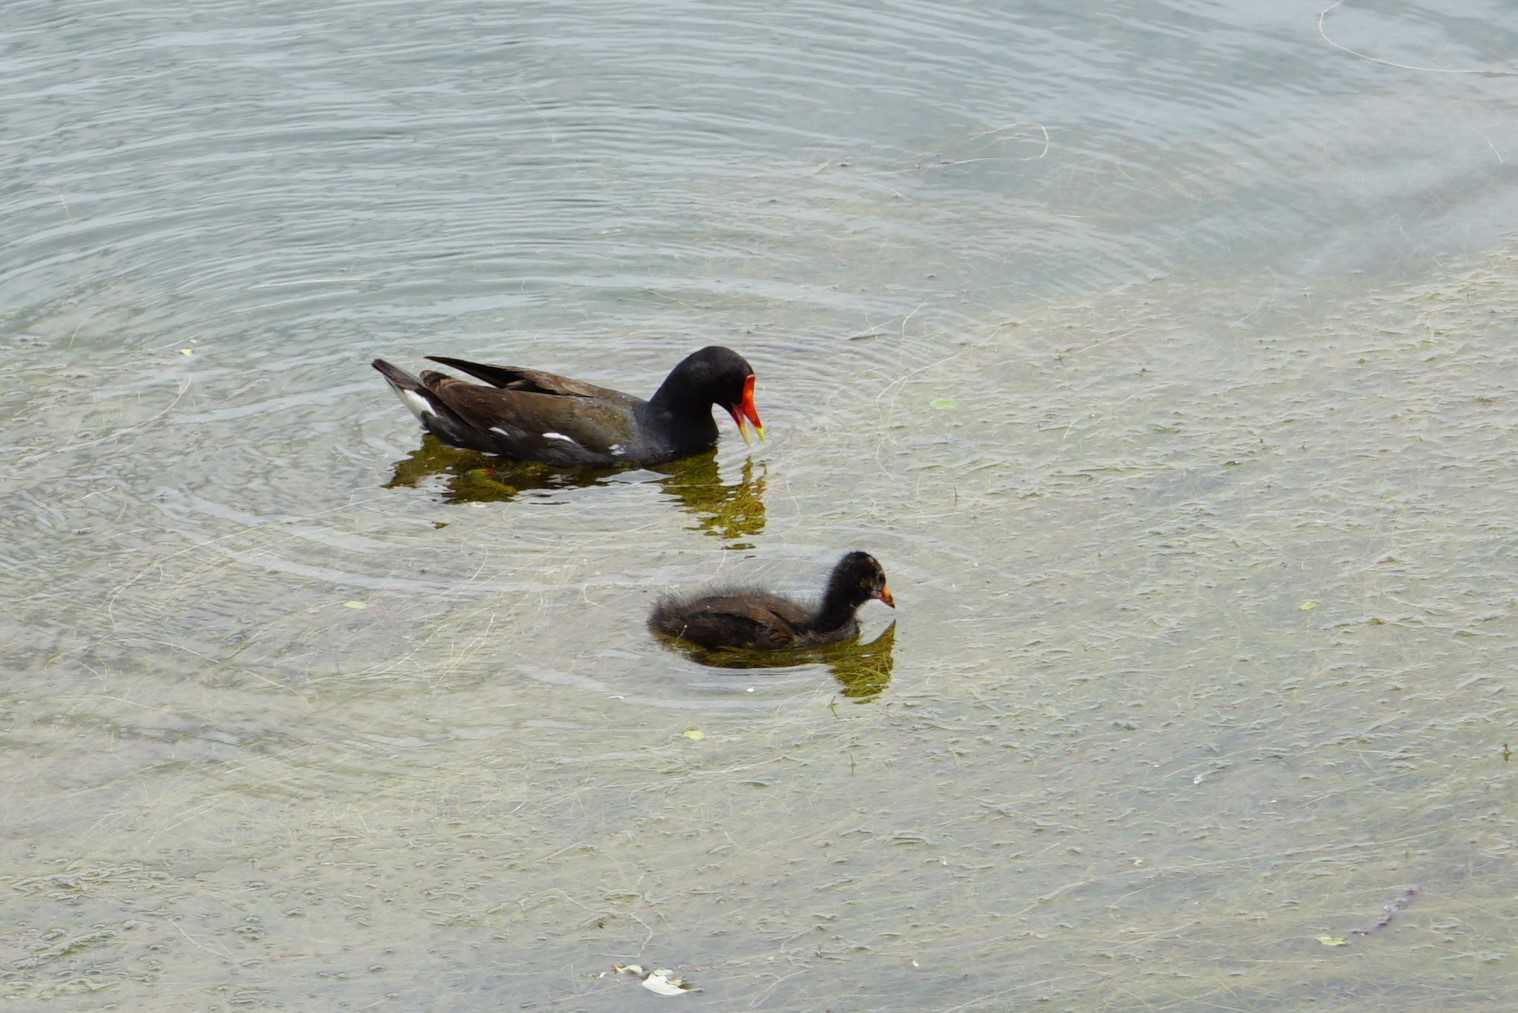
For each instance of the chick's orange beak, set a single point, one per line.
(746, 413)
(885, 595)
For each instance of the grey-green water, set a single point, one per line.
(1162, 352)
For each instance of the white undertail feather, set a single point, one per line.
(415, 402)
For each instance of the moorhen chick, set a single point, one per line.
(530, 415)
(753, 619)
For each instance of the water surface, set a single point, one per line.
(1162, 352)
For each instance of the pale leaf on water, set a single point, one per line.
(661, 980)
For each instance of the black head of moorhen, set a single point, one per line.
(748, 618)
(530, 415)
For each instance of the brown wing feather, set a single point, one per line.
(757, 619)
(532, 381)
(595, 424)
(761, 608)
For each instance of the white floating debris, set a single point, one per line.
(661, 980)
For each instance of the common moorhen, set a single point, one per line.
(754, 619)
(530, 415)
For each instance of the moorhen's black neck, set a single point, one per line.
(679, 420)
(839, 603)
(713, 375)
(682, 393)
(681, 401)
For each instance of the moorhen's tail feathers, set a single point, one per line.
(409, 389)
(434, 415)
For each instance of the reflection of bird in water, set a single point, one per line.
(863, 671)
(695, 483)
(472, 477)
(726, 511)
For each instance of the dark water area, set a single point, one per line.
(1163, 353)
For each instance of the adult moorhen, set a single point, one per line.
(754, 619)
(530, 415)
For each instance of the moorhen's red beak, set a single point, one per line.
(746, 412)
(885, 595)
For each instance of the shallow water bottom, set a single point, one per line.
(1197, 696)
